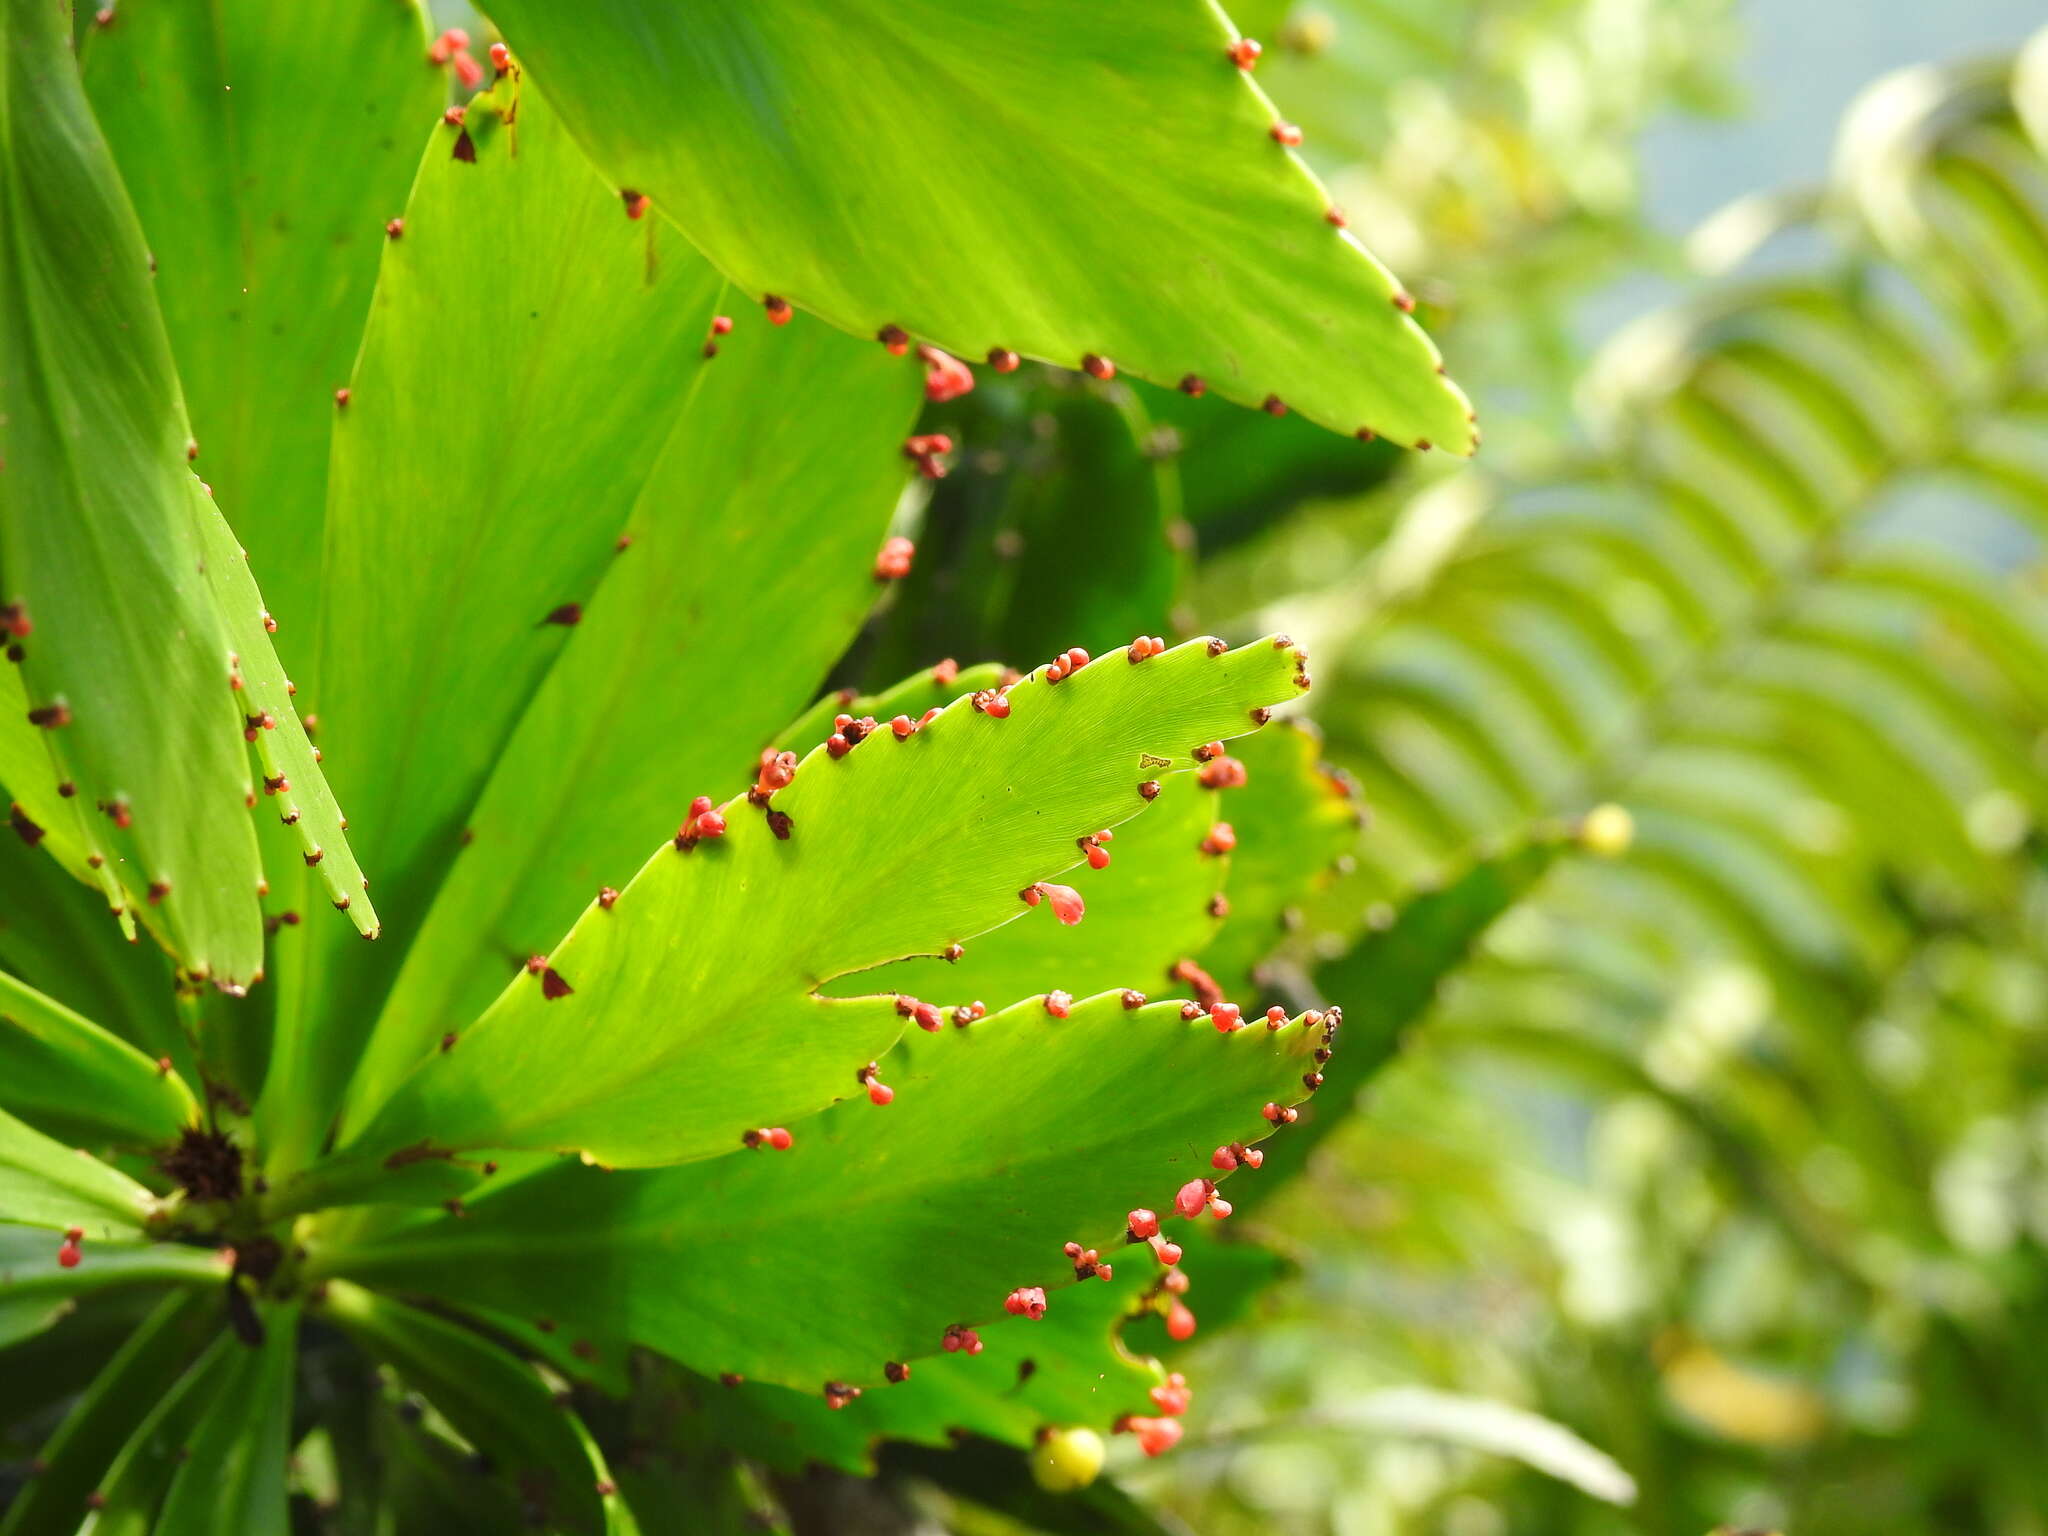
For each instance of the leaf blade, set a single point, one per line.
(734, 121)
(961, 816)
(55, 1063)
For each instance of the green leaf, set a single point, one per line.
(1060, 527)
(1060, 179)
(457, 526)
(125, 662)
(36, 1291)
(665, 1051)
(677, 672)
(293, 784)
(233, 1478)
(133, 1487)
(1005, 1140)
(60, 1069)
(1147, 910)
(44, 1183)
(263, 186)
(1068, 1367)
(1499, 1429)
(139, 1375)
(495, 1401)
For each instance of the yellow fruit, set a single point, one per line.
(1066, 1459)
(1607, 830)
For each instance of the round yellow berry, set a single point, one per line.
(1607, 830)
(1066, 1459)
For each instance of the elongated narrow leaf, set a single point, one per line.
(683, 1013)
(1154, 904)
(472, 512)
(1500, 1429)
(44, 1183)
(127, 1498)
(62, 1071)
(123, 658)
(1006, 1140)
(292, 785)
(233, 1478)
(139, 1375)
(36, 1289)
(264, 148)
(771, 496)
(128, 666)
(1061, 180)
(493, 1399)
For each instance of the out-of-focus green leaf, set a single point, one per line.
(44, 1183)
(1232, 467)
(61, 1070)
(231, 1469)
(132, 1490)
(1147, 910)
(139, 1375)
(36, 1291)
(467, 505)
(662, 1050)
(1005, 1141)
(863, 164)
(678, 669)
(123, 658)
(1059, 526)
(493, 1399)
(265, 147)
(1499, 1429)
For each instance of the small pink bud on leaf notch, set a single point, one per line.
(1173, 1396)
(946, 377)
(893, 561)
(1025, 1301)
(1155, 1436)
(1066, 902)
(924, 449)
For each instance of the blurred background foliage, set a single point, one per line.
(1715, 1135)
